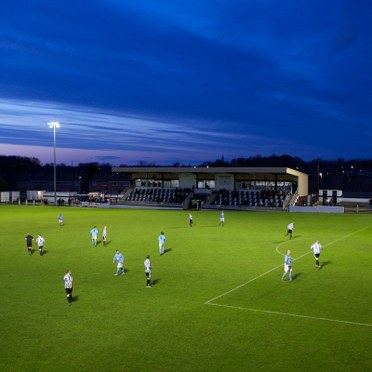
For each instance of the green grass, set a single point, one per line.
(217, 304)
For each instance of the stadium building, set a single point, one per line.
(215, 187)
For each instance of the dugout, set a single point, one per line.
(218, 178)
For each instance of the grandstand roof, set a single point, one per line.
(195, 169)
(283, 173)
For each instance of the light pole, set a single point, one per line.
(79, 185)
(54, 125)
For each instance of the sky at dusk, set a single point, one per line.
(188, 81)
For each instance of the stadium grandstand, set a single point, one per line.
(214, 187)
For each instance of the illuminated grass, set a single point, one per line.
(115, 323)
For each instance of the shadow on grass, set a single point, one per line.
(296, 237)
(107, 243)
(177, 227)
(126, 271)
(188, 226)
(287, 240)
(167, 250)
(155, 282)
(43, 253)
(75, 298)
(295, 276)
(325, 263)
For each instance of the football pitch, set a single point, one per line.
(217, 303)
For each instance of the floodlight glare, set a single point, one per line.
(53, 124)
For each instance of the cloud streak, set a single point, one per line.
(187, 81)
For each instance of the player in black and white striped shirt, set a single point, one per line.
(40, 243)
(147, 265)
(290, 229)
(316, 248)
(68, 286)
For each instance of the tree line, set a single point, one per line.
(348, 175)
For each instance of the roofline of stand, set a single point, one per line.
(195, 169)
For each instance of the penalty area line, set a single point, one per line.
(210, 302)
(325, 245)
(277, 267)
(292, 315)
(242, 285)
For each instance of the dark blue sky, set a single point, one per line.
(166, 81)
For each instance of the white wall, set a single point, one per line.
(187, 180)
(9, 196)
(5, 196)
(225, 181)
(322, 209)
(330, 192)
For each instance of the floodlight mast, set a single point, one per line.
(54, 125)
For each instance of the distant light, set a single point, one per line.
(54, 124)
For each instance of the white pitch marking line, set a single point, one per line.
(294, 315)
(279, 245)
(275, 268)
(241, 285)
(325, 245)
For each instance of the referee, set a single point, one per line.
(29, 238)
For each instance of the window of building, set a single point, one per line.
(206, 184)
